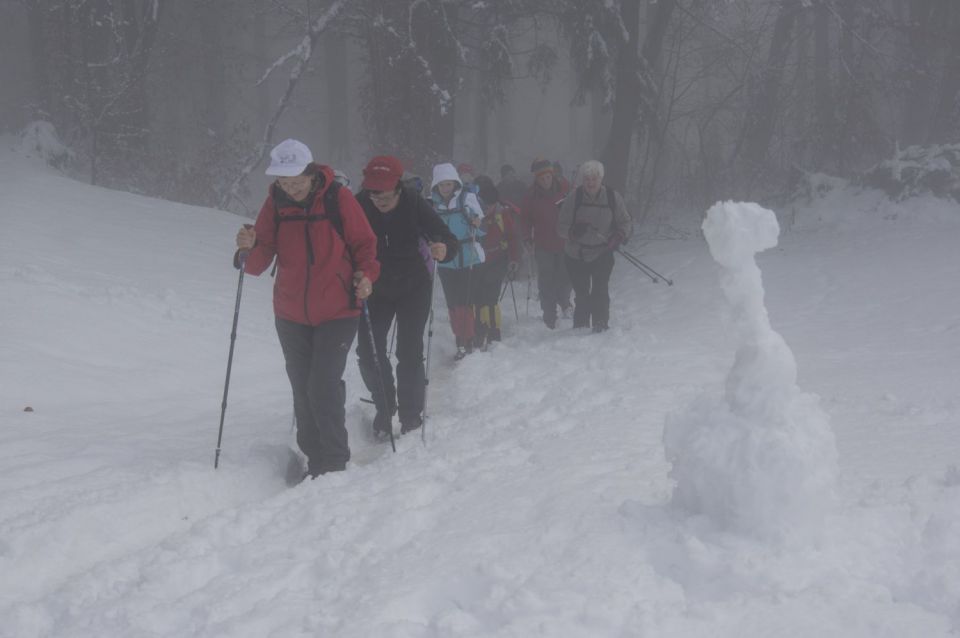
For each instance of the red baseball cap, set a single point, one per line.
(382, 173)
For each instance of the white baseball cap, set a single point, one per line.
(289, 158)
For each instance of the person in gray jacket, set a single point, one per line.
(594, 222)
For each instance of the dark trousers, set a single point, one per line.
(553, 283)
(591, 284)
(411, 311)
(316, 357)
(487, 301)
(459, 289)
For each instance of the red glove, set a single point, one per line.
(616, 238)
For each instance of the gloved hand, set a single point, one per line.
(246, 240)
(578, 230)
(616, 239)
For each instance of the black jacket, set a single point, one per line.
(402, 265)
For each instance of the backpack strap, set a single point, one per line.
(577, 202)
(611, 204)
(331, 213)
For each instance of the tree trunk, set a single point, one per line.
(616, 153)
(40, 55)
(481, 130)
(212, 63)
(846, 86)
(336, 71)
(765, 106)
(922, 47)
(946, 120)
(824, 116)
(600, 122)
(634, 85)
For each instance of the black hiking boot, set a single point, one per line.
(313, 471)
(382, 425)
(409, 424)
(295, 472)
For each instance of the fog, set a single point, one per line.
(685, 101)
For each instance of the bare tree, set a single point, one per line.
(764, 108)
(92, 61)
(301, 55)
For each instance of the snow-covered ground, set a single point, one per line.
(543, 504)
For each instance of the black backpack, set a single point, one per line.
(331, 213)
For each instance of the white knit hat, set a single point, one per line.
(289, 158)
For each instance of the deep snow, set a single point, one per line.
(543, 503)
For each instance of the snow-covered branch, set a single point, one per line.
(302, 53)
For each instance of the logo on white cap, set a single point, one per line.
(289, 158)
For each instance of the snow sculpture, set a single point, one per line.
(762, 458)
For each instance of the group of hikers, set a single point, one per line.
(338, 256)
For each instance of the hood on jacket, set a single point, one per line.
(444, 172)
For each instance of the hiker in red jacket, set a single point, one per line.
(539, 210)
(325, 263)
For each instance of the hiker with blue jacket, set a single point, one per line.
(594, 221)
(460, 210)
(410, 236)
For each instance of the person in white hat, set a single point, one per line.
(326, 261)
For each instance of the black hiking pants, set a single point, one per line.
(316, 357)
(411, 310)
(591, 284)
(553, 282)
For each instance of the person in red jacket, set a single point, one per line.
(325, 262)
(502, 247)
(539, 211)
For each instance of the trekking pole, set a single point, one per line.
(393, 340)
(633, 262)
(242, 260)
(376, 366)
(529, 255)
(509, 282)
(644, 268)
(426, 372)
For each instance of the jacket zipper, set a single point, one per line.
(310, 261)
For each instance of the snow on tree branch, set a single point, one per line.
(302, 53)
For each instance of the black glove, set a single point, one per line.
(578, 230)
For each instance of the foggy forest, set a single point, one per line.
(753, 432)
(686, 102)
